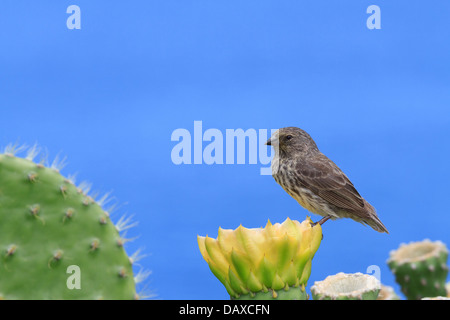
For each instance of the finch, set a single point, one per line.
(315, 181)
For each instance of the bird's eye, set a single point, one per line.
(289, 137)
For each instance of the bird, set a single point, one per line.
(315, 181)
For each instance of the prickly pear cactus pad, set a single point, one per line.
(264, 263)
(420, 268)
(56, 242)
(343, 286)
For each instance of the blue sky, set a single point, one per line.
(110, 95)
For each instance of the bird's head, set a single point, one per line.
(292, 140)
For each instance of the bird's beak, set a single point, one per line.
(269, 142)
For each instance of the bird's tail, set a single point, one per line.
(373, 219)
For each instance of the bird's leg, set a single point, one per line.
(321, 221)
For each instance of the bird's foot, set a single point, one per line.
(323, 220)
(320, 222)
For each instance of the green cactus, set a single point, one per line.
(56, 242)
(420, 268)
(343, 286)
(264, 263)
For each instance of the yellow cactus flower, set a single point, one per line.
(263, 263)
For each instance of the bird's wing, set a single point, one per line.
(324, 178)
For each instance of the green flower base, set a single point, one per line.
(293, 293)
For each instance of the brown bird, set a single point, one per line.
(315, 181)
